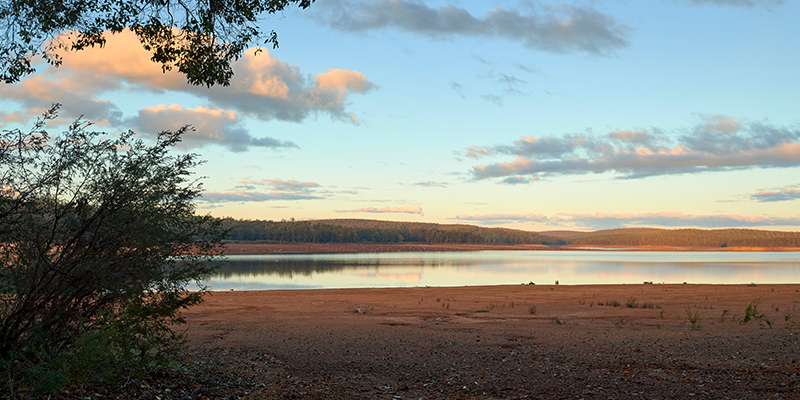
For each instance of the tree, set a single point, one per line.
(98, 243)
(198, 37)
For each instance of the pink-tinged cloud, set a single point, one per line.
(249, 190)
(280, 184)
(492, 219)
(211, 126)
(770, 195)
(719, 143)
(263, 87)
(675, 220)
(603, 220)
(409, 209)
(237, 196)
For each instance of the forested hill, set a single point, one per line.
(572, 235)
(372, 231)
(694, 238)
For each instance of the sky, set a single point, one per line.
(533, 115)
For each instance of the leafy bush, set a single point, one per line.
(99, 243)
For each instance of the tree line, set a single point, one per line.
(328, 231)
(700, 238)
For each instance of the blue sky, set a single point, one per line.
(533, 115)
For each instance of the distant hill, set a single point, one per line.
(487, 235)
(376, 231)
(697, 238)
(570, 235)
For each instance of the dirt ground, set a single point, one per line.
(498, 342)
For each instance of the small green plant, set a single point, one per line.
(620, 323)
(557, 321)
(661, 314)
(693, 318)
(532, 310)
(480, 311)
(631, 302)
(722, 318)
(751, 312)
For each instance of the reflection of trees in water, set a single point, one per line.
(307, 267)
(284, 268)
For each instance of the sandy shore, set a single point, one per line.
(542, 341)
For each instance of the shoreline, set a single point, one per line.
(501, 342)
(338, 248)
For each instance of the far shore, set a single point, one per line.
(333, 248)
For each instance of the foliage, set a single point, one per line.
(693, 318)
(199, 38)
(99, 242)
(698, 238)
(370, 231)
(751, 313)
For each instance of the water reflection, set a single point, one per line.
(249, 272)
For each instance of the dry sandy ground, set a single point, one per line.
(498, 342)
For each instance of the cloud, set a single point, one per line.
(236, 196)
(277, 189)
(517, 180)
(263, 87)
(281, 185)
(557, 28)
(458, 88)
(718, 143)
(675, 219)
(430, 184)
(409, 209)
(771, 195)
(610, 220)
(509, 82)
(212, 126)
(528, 68)
(493, 219)
(497, 100)
(739, 3)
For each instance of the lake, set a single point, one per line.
(362, 270)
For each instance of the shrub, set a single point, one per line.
(99, 243)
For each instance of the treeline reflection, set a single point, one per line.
(307, 267)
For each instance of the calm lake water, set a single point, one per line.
(257, 272)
